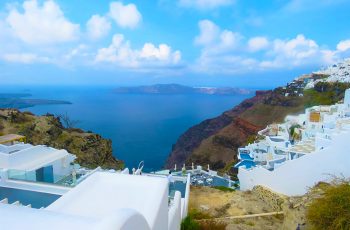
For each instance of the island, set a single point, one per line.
(180, 89)
(20, 101)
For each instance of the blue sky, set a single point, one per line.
(244, 43)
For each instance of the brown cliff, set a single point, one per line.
(215, 141)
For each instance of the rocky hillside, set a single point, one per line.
(215, 141)
(256, 209)
(91, 149)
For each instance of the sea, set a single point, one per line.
(142, 127)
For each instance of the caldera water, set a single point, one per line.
(142, 127)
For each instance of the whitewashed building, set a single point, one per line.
(316, 150)
(42, 188)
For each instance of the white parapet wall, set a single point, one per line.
(295, 177)
(186, 200)
(175, 213)
(103, 194)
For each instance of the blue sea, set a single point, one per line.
(141, 127)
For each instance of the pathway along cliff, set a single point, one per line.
(215, 141)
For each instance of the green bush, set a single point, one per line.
(224, 189)
(198, 215)
(189, 224)
(325, 93)
(212, 225)
(332, 210)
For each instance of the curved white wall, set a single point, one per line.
(175, 213)
(296, 176)
(123, 219)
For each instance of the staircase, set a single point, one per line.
(16, 203)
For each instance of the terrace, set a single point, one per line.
(306, 146)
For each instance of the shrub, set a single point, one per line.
(332, 210)
(198, 215)
(18, 117)
(224, 189)
(212, 225)
(28, 113)
(189, 224)
(251, 139)
(325, 93)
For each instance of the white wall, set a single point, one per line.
(347, 98)
(296, 176)
(175, 213)
(103, 193)
(62, 167)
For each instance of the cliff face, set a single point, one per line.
(91, 149)
(215, 141)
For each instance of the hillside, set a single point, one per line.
(91, 149)
(256, 209)
(215, 141)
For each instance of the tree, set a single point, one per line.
(67, 121)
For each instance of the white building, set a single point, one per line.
(41, 188)
(34, 163)
(318, 151)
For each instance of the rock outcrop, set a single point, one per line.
(91, 149)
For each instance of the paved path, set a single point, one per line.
(244, 216)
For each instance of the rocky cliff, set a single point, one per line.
(91, 149)
(215, 141)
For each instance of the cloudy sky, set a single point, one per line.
(248, 43)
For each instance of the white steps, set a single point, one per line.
(4, 201)
(16, 203)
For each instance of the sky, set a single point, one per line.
(240, 43)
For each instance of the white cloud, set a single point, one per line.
(208, 32)
(80, 51)
(214, 40)
(98, 27)
(126, 16)
(162, 53)
(205, 4)
(25, 58)
(304, 5)
(121, 54)
(258, 43)
(218, 47)
(224, 51)
(343, 45)
(41, 24)
(294, 52)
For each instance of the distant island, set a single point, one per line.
(19, 101)
(180, 89)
